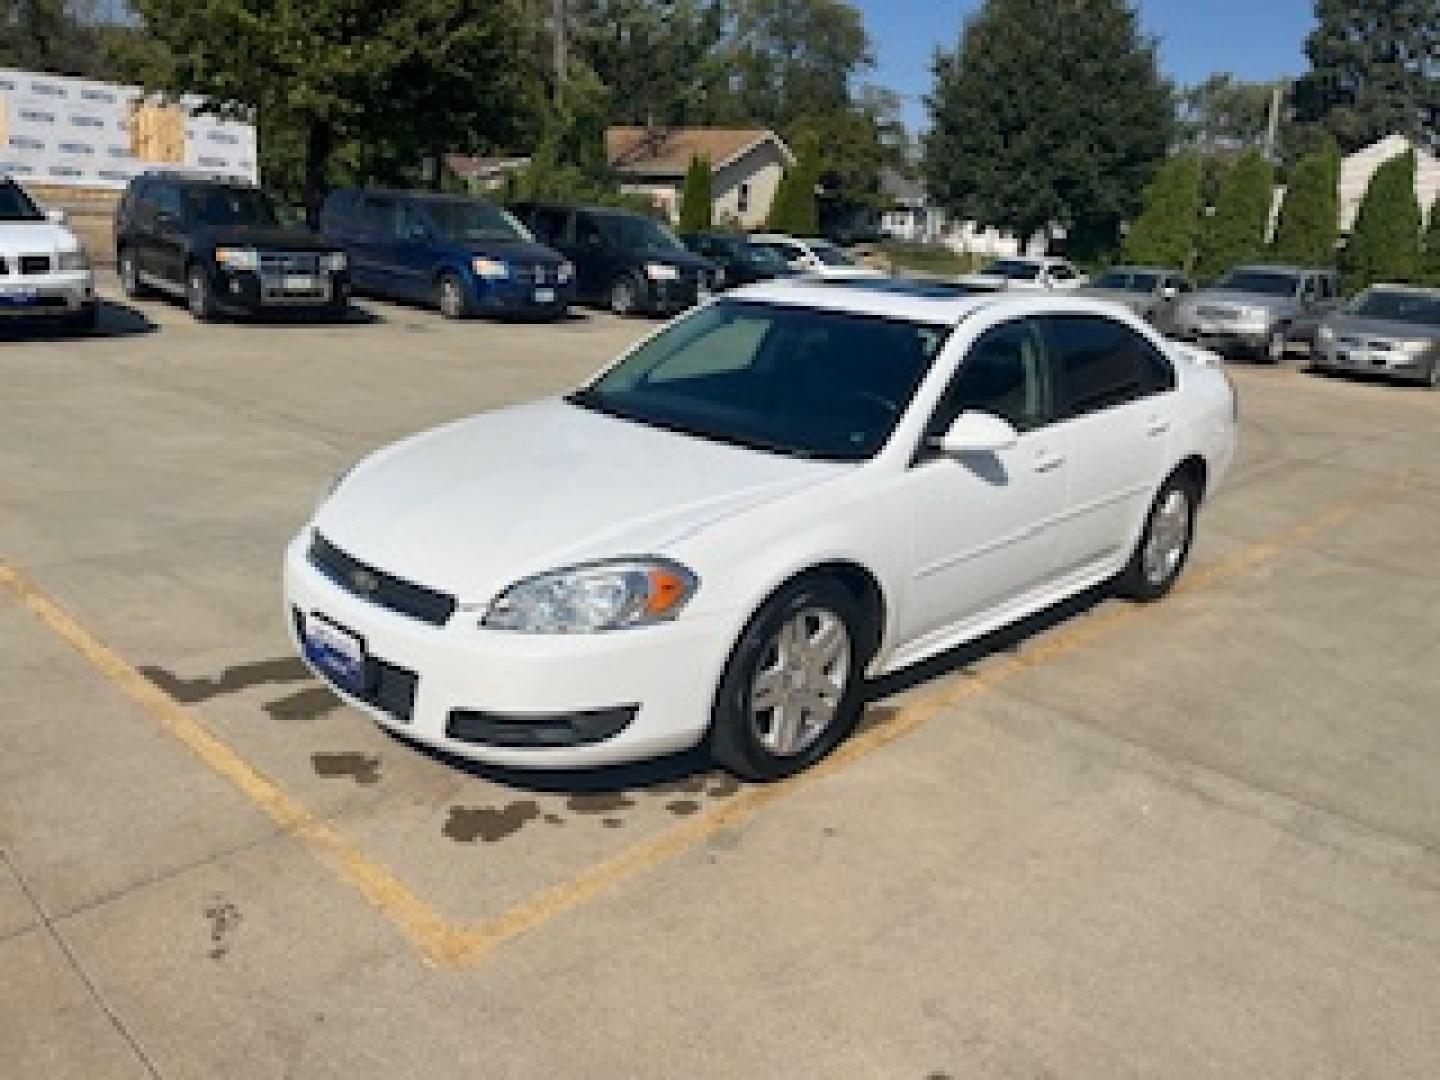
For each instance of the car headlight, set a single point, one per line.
(594, 599)
(662, 272)
(71, 262)
(565, 272)
(1414, 348)
(335, 262)
(238, 258)
(490, 269)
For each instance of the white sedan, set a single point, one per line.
(721, 537)
(815, 257)
(1025, 272)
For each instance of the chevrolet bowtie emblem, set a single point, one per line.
(363, 581)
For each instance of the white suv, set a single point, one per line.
(44, 271)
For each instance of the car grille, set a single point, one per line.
(1219, 314)
(289, 262)
(34, 264)
(378, 587)
(538, 274)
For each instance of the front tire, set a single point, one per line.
(199, 297)
(792, 689)
(1165, 542)
(1433, 382)
(625, 296)
(1276, 347)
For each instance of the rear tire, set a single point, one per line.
(1164, 547)
(129, 269)
(793, 687)
(1433, 382)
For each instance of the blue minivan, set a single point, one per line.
(465, 255)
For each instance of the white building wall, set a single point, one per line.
(759, 172)
(1357, 170)
(65, 132)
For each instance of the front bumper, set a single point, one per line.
(47, 295)
(255, 291)
(1392, 363)
(1222, 337)
(507, 699)
(522, 298)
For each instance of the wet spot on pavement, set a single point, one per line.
(230, 681)
(682, 807)
(595, 805)
(554, 819)
(224, 919)
(309, 704)
(364, 769)
(489, 823)
(612, 823)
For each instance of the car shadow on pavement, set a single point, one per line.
(115, 320)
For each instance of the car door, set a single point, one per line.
(1116, 395)
(164, 255)
(1318, 297)
(984, 528)
(595, 262)
(368, 249)
(410, 254)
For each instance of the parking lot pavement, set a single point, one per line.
(1191, 839)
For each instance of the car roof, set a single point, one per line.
(1145, 270)
(1281, 268)
(419, 196)
(1400, 286)
(934, 303)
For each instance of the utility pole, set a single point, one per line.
(1272, 129)
(560, 18)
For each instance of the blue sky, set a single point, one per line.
(1255, 39)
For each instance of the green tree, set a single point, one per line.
(1224, 113)
(1235, 233)
(1310, 215)
(1372, 71)
(1166, 231)
(1384, 245)
(1430, 248)
(697, 198)
(337, 80)
(794, 210)
(1050, 112)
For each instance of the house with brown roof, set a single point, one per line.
(747, 165)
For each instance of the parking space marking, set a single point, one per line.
(448, 945)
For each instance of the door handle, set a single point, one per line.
(1157, 425)
(1048, 461)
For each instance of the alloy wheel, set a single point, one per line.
(800, 682)
(622, 297)
(1169, 537)
(452, 298)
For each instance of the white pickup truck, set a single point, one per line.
(44, 272)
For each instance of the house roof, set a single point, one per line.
(668, 151)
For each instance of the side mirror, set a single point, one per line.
(977, 433)
(59, 217)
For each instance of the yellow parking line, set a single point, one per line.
(429, 933)
(445, 944)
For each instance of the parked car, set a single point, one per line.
(222, 246)
(814, 256)
(1152, 292)
(44, 272)
(720, 538)
(627, 262)
(737, 260)
(1025, 272)
(1259, 310)
(464, 255)
(1390, 330)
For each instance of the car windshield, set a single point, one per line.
(1014, 270)
(15, 205)
(238, 206)
(638, 233)
(1397, 305)
(469, 220)
(1263, 282)
(831, 255)
(1128, 281)
(795, 381)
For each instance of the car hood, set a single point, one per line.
(269, 239)
(474, 506)
(1232, 298)
(513, 251)
(36, 237)
(1385, 329)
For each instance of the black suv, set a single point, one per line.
(627, 262)
(221, 245)
(737, 261)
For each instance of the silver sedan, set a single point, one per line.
(1390, 330)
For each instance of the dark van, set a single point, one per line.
(627, 262)
(465, 255)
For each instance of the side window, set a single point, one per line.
(410, 223)
(1103, 364)
(549, 224)
(1005, 373)
(742, 198)
(169, 201)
